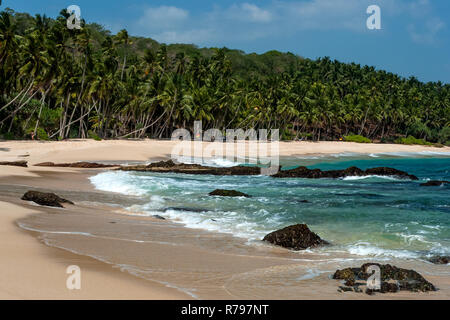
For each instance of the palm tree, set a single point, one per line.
(122, 38)
(91, 82)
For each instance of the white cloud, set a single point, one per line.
(163, 17)
(242, 13)
(255, 13)
(188, 36)
(419, 7)
(429, 32)
(325, 14)
(170, 24)
(243, 22)
(426, 25)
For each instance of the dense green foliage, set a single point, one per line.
(357, 138)
(60, 83)
(412, 140)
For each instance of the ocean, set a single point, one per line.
(365, 217)
(210, 247)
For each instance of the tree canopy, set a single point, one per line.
(59, 83)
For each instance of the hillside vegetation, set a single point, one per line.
(58, 83)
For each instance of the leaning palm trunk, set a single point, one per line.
(20, 94)
(25, 126)
(17, 110)
(80, 118)
(64, 118)
(79, 97)
(145, 128)
(147, 120)
(364, 121)
(123, 67)
(40, 111)
(70, 121)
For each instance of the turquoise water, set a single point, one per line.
(369, 216)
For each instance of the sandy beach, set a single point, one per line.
(145, 150)
(31, 270)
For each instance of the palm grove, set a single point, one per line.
(58, 83)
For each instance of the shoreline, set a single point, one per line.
(144, 150)
(58, 178)
(35, 270)
(38, 271)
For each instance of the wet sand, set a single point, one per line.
(31, 270)
(138, 257)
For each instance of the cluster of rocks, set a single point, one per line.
(82, 164)
(439, 259)
(393, 279)
(45, 199)
(170, 166)
(303, 172)
(300, 172)
(85, 165)
(295, 237)
(14, 163)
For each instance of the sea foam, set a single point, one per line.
(117, 181)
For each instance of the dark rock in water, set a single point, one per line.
(159, 217)
(386, 287)
(390, 172)
(347, 274)
(350, 282)
(304, 201)
(345, 289)
(303, 172)
(405, 279)
(416, 285)
(434, 183)
(228, 193)
(370, 292)
(351, 288)
(296, 237)
(162, 164)
(300, 172)
(352, 172)
(45, 199)
(14, 163)
(186, 209)
(440, 259)
(170, 166)
(85, 165)
(389, 287)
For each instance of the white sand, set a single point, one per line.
(30, 270)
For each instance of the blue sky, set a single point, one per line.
(414, 39)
